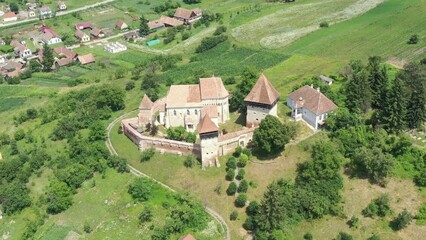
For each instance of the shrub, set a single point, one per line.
(210, 42)
(220, 30)
(241, 200)
(19, 134)
(402, 220)
(190, 161)
(147, 154)
(308, 236)
(243, 187)
(420, 178)
(378, 207)
(344, 236)
(130, 86)
(4, 139)
(140, 189)
(230, 174)
(238, 151)
(374, 237)
(231, 163)
(354, 222)
(59, 197)
(232, 189)
(185, 35)
(324, 25)
(242, 162)
(414, 39)
(145, 216)
(247, 152)
(241, 174)
(233, 216)
(87, 228)
(180, 134)
(421, 216)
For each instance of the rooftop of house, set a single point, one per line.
(80, 34)
(313, 100)
(187, 13)
(83, 25)
(212, 88)
(120, 24)
(96, 31)
(188, 237)
(263, 92)
(62, 50)
(64, 61)
(18, 46)
(45, 9)
(9, 15)
(170, 21)
(86, 59)
(155, 24)
(206, 125)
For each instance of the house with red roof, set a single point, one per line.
(310, 105)
(9, 17)
(188, 16)
(83, 25)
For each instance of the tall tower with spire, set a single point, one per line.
(261, 101)
(209, 143)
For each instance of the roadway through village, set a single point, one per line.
(134, 171)
(60, 13)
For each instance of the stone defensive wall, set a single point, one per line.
(160, 144)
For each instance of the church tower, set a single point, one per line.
(261, 101)
(145, 113)
(209, 134)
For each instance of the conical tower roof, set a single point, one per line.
(207, 125)
(263, 92)
(146, 103)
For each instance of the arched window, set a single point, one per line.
(188, 112)
(196, 112)
(174, 112)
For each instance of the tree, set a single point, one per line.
(19, 134)
(97, 132)
(231, 163)
(344, 236)
(373, 162)
(378, 80)
(358, 92)
(143, 28)
(147, 154)
(232, 189)
(230, 174)
(242, 161)
(308, 236)
(130, 86)
(14, 7)
(191, 1)
(14, 197)
(140, 189)
(395, 108)
(233, 216)
(241, 174)
(241, 200)
(402, 220)
(74, 175)
(378, 207)
(48, 58)
(253, 208)
(190, 161)
(271, 136)
(414, 39)
(374, 237)
(59, 197)
(248, 79)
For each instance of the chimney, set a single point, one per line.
(318, 89)
(312, 85)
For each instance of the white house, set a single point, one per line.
(261, 101)
(20, 49)
(82, 36)
(45, 12)
(9, 17)
(311, 105)
(62, 6)
(115, 47)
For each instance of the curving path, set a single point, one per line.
(138, 173)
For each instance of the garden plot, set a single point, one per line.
(289, 24)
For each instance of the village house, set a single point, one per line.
(97, 33)
(261, 101)
(121, 25)
(170, 22)
(84, 25)
(11, 69)
(46, 12)
(31, 6)
(49, 36)
(62, 6)
(201, 108)
(65, 52)
(82, 36)
(20, 49)
(155, 25)
(188, 16)
(86, 59)
(310, 105)
(131, 36)
(115, 47)
(9, 17)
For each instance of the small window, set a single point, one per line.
(174, 112)
(188, 112)
(196, 112)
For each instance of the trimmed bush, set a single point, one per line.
(241, 174)
(242, 162)
(147, 154)
(308, 236)
(241, 200)
(243, 187)
(231, 163)
(324, 25)
(232, 189)
(253, 208)
(233, 216)
(230, 174)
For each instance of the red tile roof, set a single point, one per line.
(170, 21)
(212, 88)
(207, 125)
(62, 50)
(313, 100)
(9, 15)
(188, 237)
(83, 25)
(186, 13)
(86, 59)
(263, 92)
